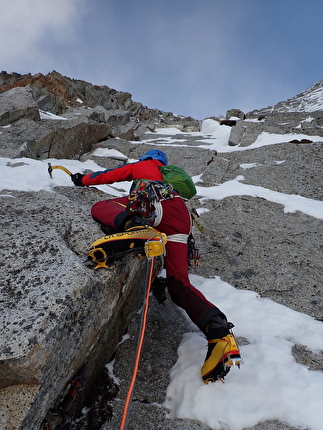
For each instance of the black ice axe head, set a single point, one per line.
(51, 168)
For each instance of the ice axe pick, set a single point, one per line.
(51, 168)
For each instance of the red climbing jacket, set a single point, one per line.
(147, 169)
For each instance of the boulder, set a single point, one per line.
(16, 104)
(55, 139)
(235, 113)
(68, 141)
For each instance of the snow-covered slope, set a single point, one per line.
(310, 100)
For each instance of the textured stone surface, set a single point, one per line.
(51, 139)
(15, 104)
(57, 314)
(15, 401)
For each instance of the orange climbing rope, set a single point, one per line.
(126, 411)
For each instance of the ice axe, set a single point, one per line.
(51, 168)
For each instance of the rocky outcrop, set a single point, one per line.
(17, 103)
(51, 139)
(246, 131)
(57, 313)
(235, 113)
(56, 93)
(69, 116)
(310, 100)
(61, 95)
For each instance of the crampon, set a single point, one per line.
(142, 240)
(220, 358)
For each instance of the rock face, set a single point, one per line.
(56, 93)
(16, 104)
(58, 314)
(246, 132)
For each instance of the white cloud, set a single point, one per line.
(24, 25)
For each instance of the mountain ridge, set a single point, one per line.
(309, 100)
(74, 92)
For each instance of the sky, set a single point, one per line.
(270, 384)
(192, 58)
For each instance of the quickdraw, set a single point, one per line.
(66, 418)
(195, 215)
(193, 252)
(146, 194)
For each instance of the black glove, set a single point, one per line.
(77, 179)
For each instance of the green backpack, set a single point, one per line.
(180, 180)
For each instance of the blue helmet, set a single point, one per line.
(156, 155)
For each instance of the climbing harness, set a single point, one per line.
(179, 238)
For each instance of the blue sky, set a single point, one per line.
(196, 58)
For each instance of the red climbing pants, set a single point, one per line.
(176, 219)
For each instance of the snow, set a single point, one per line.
(109, 367)
(111, 153)
(309, 100)
(249, 165)
(50, 116)
(270, 384)
(33, 175)
(292, 203)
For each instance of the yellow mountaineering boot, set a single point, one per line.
(223, 352)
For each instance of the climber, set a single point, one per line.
(171, 215)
